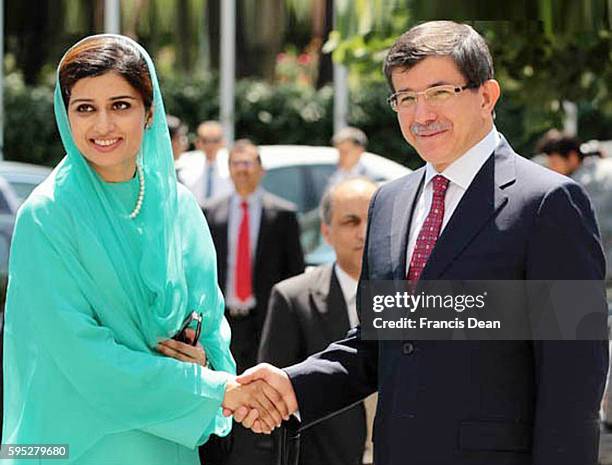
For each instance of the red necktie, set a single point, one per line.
(242, 278)
(428, 235)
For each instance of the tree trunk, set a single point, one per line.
(32, 34)
(213, 19)
(326, 68)
(183, 29)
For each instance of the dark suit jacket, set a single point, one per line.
(476, 402)
(305, 314)
(278, 256)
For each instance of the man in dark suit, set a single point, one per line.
(476, 211)
(273, 250)
(309, 311)
(257, 239)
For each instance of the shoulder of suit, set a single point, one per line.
(216, 202)
(273, 201)
(299, 284)
(534, 178)
(391, 188)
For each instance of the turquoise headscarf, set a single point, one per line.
(92, 291)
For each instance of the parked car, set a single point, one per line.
(17, 180)
(23, 177)
(300, 173)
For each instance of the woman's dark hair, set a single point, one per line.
(100, 55)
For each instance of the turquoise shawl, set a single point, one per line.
(92, 291)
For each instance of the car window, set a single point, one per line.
(22, 189)
(4, 205)
(287, 182)
(319, 176)
(4, 253)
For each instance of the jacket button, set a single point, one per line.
(407, 348)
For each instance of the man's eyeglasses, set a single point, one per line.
(246, 163)
(181, 335)
(435, 96)
(210, 140)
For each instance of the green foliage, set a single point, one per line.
(544, 51)
(30, 134)
(282, 114)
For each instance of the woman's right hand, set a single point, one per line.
(260, 396)
(183, 352)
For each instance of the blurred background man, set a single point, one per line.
(178, 136)
(308, 312)
(585, 164)
(203, 171)
(257, 238)
(350, 143)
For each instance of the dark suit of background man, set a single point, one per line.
(257, 239)
(308, 312)
(477, 210)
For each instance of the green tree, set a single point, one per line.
(545, 52)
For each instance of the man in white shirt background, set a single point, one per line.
(204, 171)
(309, 311)
(351, 143)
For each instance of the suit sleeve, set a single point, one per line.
(294, 264)
(281, 341)
(341, 375)
(570, 375)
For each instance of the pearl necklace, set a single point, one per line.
(141, 191)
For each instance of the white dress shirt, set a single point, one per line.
(460, 173)
(349, 291)
(233, 228)
(192, 169)
(340, 174)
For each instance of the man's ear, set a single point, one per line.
(574, 160)
(490, 95)
(325, 232)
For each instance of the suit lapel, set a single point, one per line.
(327, 299)
(403, 209)
(265, 224)
(483, 199)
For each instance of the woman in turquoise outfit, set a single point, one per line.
(109, 258)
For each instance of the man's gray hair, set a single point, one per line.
(460, 42)
(326, 205)
(357, 136)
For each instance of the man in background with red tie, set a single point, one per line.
(257, 238)
(475, 211)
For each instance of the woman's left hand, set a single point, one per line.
(183, 352)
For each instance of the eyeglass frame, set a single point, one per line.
(210, 140)
(182, 337)
(455, 88)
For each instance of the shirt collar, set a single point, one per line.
(464, 169)
(255, 197)
(347, 283)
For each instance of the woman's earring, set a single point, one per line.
(148, 125)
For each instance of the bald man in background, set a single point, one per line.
(203, 171)
(309, 311)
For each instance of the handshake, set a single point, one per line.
(260, 399)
